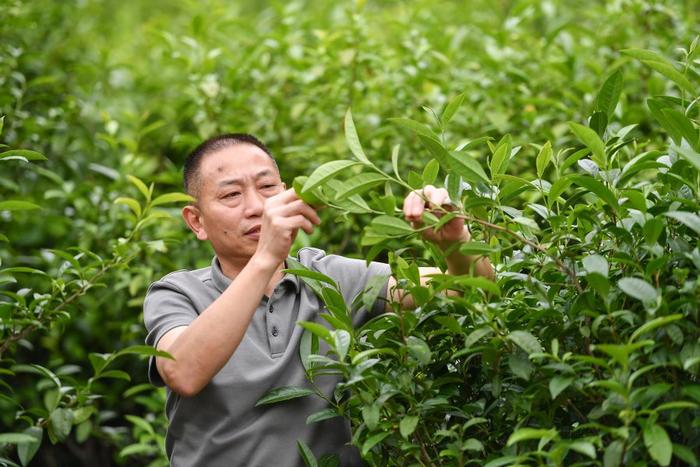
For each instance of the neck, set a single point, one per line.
(231, 267)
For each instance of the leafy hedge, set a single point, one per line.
(102, 100)
(587, 348)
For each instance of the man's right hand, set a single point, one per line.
(283, 215)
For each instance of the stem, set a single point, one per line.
(423, 450)
(520, 238)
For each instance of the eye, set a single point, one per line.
(233, 194)
(267, 187)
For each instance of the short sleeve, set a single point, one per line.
(164, 308)
(352, 276)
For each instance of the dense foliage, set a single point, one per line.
(566, 134)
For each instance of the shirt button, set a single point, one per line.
(272, 308)
(275, 332)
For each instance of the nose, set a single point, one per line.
(254, 202)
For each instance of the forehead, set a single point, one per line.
(240, 161)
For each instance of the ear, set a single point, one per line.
(284, 186)
(193, 218)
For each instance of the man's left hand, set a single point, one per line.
(432, 198)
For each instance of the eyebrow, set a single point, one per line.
(238, 181)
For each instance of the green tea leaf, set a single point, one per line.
(600, 190)
(27, 451)
(685, 454)
(17, 205)
(613, 454)
(172, 198)
(321, 415)
(326, 172)
(596, 264)
(653, 324)
(143, 350)
(140, 186)
(598, 122)
(476, 248)
(558, 383)
(591, 139)
(306, 454)
(452, 107)
(419, 350)
(524, 434)
(658, 443)
(61, 421)
(520, 365)
(415, 126)
(682, 126)
(476, 335)
(670, 72)
(391, 226)
(395, 160)
(373, 441)
(16, 438)
(543, 158)
(370, 415)
(297, 269)
(584, 447)
(360, 183)
(342, 340)
(318, 330)
(639, 289)
(687, 218)
(352, 140)
(461, 163)
(430, 172)
(25, 154)
(609, 93)
(526, 341)
(131, 203)
(408, 425)
(283, 394)
(621, 352)
(499, 160)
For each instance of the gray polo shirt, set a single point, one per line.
(221, 426)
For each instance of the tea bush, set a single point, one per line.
(566, 133)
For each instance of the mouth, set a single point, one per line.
(253, 232)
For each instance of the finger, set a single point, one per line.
(299, 207)
(287, 195)
(408, 204)
(417, 206)
(438, 197)
(299, 222)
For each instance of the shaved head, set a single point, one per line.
(191, 171)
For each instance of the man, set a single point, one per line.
(231, 327)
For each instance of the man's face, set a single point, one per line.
(234, 184)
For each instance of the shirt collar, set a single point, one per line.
(221, 281)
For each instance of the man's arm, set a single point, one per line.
(451, 233)
(202, 348)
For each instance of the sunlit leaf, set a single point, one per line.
(352, 140)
